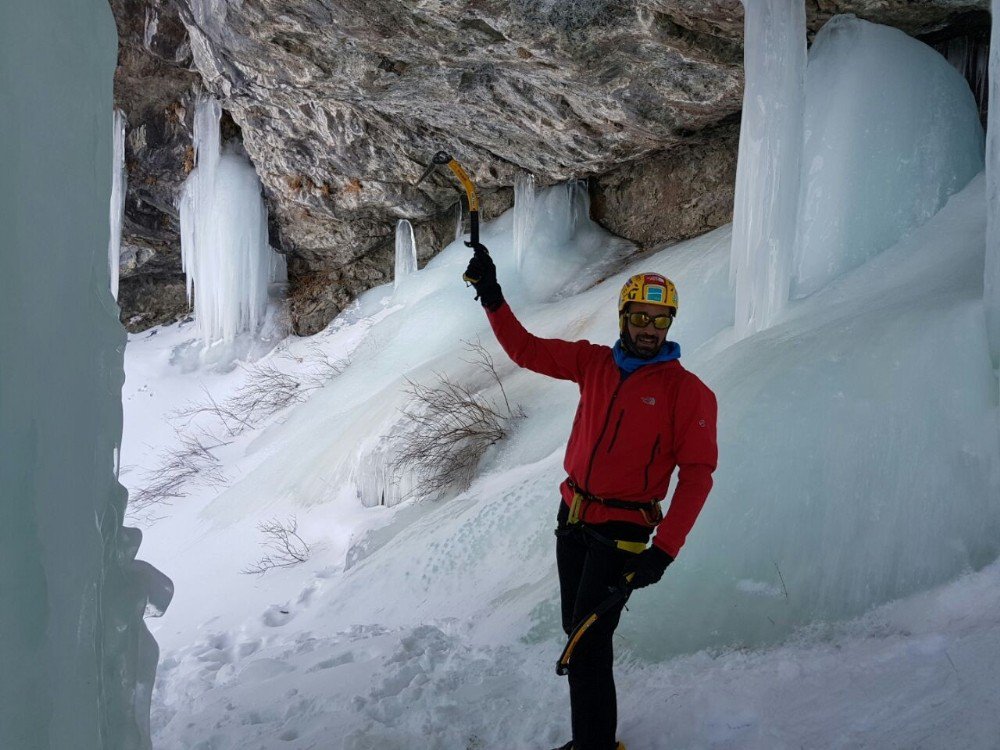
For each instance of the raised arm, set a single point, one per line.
(556, 358)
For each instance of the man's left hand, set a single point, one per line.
(648, 566)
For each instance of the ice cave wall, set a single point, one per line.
(76, 661)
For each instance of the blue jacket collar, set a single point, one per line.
(628, 364)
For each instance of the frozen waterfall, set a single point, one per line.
(524, 215)
(767, 174)
(119, 183)
(991, 280)
(891, 131)
(224, 249)
(406, 251)
(77, 660)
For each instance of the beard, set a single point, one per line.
(644, 346)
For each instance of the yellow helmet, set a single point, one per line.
(650, 288)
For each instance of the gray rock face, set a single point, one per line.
(341, 104)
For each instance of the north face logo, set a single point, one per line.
(649, 400)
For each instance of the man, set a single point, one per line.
(640, 415)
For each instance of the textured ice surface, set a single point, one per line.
(224, 247)
(119, 185)
(991, 281)
(767, 174)
(524, 216)
(76, 660)
(406, 251)
(891, 130)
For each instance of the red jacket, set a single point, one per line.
(628, 433)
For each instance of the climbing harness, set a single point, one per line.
(582, 500)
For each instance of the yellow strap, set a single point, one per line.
(574, 509)
(634, 547)
(470, 189)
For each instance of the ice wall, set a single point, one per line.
(991, 280)
(524, 215)
(76, 661)
(224, 248)
(891, 130)
(119, 182)
(406, 251)
(767, 173)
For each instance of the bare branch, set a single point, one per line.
(286, 547)
(448, 427)
(192, 461)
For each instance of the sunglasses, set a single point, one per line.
(641, 320)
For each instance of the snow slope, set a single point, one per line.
(859, 451)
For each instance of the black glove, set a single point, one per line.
(648, 566)
(482, 274)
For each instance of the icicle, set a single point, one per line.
(458, 222)
(524, 215)
(406, 251)
(767, 175)
(119, 181)
(224, 249)
(150, 27)
(991, 280)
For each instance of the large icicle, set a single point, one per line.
(76, 660)
(224, 248)
(991, 281)
(767, 173)
(524, 215)
(118, 187)
(406, 251)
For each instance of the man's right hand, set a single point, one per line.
(482, 274)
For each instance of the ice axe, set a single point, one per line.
(444, 159)
(619, 595)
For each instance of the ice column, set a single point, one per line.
(76, 660)
(991, 281)
(224, 248)
(891, 131)
(406, 251)
(524, 215)
(767, 173)
(458, 222)
(118, 188)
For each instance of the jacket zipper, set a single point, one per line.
(652, 455)
(614, 435)
(600, 437)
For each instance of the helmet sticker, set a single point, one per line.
(654, 294)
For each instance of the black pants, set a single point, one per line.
(588, 568)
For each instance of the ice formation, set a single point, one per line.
(767, 175)
(224, 249)
(524, 216)
(891, 130)
(119, 183)
(991, 280)
(77, 660)
(150, 26)
(458, 220)
(406, 251)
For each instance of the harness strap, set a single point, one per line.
(650, 510)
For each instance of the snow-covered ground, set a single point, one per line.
(838, 591)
